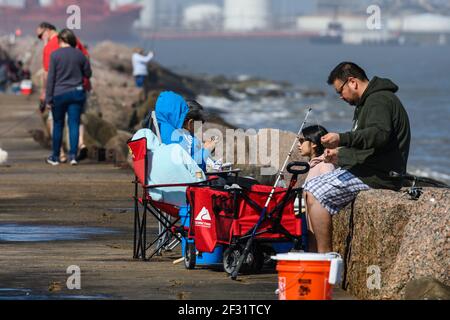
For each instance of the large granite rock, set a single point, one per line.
(27, 49)
(404, 239)
(117, 147)
(113, 96)
(426, 288)
(263, 153)
(116, 56)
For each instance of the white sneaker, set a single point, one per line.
(52, 161)
(73, 162)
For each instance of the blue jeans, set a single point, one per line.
(71, 102)
(139, 80)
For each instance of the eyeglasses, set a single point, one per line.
(41, 34)
(339, 92)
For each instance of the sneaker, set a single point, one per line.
(53, 161)
(73, 160)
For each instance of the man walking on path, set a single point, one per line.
(377, 144)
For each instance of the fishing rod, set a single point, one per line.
(244, 255)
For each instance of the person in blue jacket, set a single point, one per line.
(176, 120)
(168, 164)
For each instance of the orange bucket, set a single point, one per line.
(307, 276)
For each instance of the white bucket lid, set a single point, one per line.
(306, 256)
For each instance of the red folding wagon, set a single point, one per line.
(231, 216)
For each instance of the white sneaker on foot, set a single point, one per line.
(51, 160)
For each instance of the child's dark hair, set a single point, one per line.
(313, 134)
(196, 112)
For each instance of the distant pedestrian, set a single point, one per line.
(65, 92)
(140, 61)
(3, 76)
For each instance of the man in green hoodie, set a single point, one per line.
(377, 144)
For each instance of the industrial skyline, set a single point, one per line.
(304, 18)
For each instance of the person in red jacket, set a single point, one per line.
(47, 33)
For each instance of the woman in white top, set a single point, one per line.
(140, 61)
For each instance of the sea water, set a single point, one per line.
(421, 72)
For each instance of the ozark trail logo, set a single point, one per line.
(203, 215)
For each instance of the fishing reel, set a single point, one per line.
(413, 192)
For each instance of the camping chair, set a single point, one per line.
(166, 214)
(164, 240)
(230, 174)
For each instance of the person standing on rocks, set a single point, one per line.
(47, 33)
(377, 144)
(140, 72)
(65, 93)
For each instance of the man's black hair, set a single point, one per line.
(346, 69)
(47, 25)
(314, 133)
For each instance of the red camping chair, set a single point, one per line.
(143, 203)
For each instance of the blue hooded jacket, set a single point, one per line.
(171, 110)
(168, 164)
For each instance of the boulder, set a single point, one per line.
(390, 240)
(27, 49)
(271, 147)
(115, 56)
(112, 97)
(117, 147)
(426, 289)
(99, 129)
(142, 109)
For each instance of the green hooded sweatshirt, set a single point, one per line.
(380, 138)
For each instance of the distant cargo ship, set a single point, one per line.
(333, 34)
(98, 21)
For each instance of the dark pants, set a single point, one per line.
(71, 103)
(139, 81)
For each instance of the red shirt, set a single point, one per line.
(53, 45)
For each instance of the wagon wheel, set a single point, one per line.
(231, 257)
(258, 259)
(253, 263)
(190, 256)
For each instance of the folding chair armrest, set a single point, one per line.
(173, 185)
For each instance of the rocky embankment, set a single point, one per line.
(394, 247)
